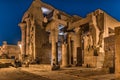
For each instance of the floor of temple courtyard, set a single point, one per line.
(36, 72)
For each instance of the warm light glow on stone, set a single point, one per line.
(45, 10)
(20, 45)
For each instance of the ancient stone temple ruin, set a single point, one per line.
(11, 51)
(57, 38)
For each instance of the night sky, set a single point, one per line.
(11, 12)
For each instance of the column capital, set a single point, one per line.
(77, 29)
(69, 35)
(27, 19)
(22, 25)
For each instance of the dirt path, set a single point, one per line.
(17, 74)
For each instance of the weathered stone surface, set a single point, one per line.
(64, 55)
(84, 37)
(117, 52)
(109, 61)
(11, 51)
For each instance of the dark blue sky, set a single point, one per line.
(11, 12)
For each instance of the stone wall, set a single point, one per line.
(12, 51)
(42, 45)
(117, 52)
(109, 48)
(109, 23)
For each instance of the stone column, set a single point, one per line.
(77, 46)
(69, 48)
(64, 55)
(23, 31)
(27, 35)
(117, 52)
(20, 46)
(54, 48)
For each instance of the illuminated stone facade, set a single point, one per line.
(12, 51)
(117, 52)
(54, 36)
(109, 47)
